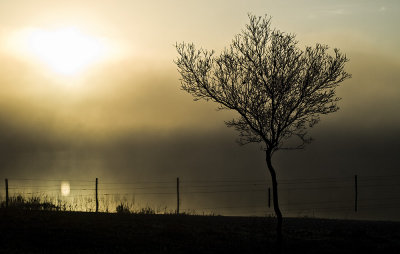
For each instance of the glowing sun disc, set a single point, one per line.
(66, 51)
(65, 189)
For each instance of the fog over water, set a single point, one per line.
(131, 144)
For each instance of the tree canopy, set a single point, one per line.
(278, 89)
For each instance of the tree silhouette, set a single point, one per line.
(277, 89)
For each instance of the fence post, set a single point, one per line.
(97, 197)
(6, 192)
(269, 197)
(356, 193)
(177, 195)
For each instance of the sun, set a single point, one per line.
(66, 51)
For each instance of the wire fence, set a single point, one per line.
(324, 197)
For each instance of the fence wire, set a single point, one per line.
(303, 196)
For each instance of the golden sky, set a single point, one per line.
(131, 82)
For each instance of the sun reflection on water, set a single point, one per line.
(65, 188)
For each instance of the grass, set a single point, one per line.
(35, 226)
(52, 203)
(41, 231)
(31, 203)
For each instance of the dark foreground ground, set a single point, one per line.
(23, 231)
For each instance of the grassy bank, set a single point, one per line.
(31, 231)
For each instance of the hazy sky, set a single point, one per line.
(123, 115)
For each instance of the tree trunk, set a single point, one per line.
(275, 201)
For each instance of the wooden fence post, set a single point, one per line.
(97, 197)
(356, 193)
(177, 195)
(6, 192)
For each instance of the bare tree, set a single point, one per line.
(277, 89)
